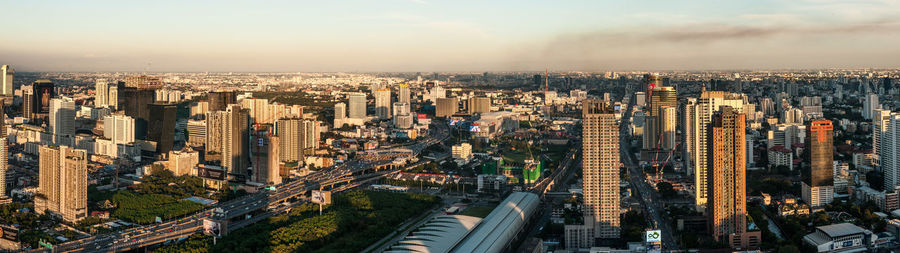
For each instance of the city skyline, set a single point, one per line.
(450, 36)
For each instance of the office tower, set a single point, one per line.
(264, 155)
(479, 105)
(880, 120)
(383, 103)
(297, 138)
(183, 162)
(62, 118)
(118, 128)
(890, 152)
(219, 100)
(161, 126)
(134, 102)
(601, 168)
(113, 96)
(6, 80)
(4, 156)
(101, 96)
(259, 110)
(870, 105)
(215, 135)
(445, 107)
(196, 131)
(62, 183)
(36, 101)
(818, 181)
(667, 122)
(143, 82)
(727, 205)
(236, 140)
(357, 104)
(404, 121)
(708, 103)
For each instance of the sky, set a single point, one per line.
(457, 35)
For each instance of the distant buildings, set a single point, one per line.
(661, 99)
(462, 151)
(62, 119)
(219, 100)
(818, 183)
(357, 105)
(36, 101)
(63, 182)
(383, 103)
(697, 126)
(478, 105)
(297, 138)
(870, 105)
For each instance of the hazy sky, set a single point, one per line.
(458, 35)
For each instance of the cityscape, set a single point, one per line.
(759, 128)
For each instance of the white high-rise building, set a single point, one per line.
(113, 99)
(6, 80)
(62, 117)
(357, 105)
(101, 88)
(403, 95)
(383, 103)
(890, 152)
(690, 114)
(870, 105)
(119, 128)
(880, 121)
(63, 182)
(708, 103)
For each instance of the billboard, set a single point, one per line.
(211, 172)
(321, 197)
(654, 235)
(421, 116)
(211, 227)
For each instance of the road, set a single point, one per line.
(143, 236)
(642, 191)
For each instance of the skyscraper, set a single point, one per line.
(134, 102)
(36, 101)
(113, 96)
(6, 80)
(161, 126)
(62, 119)
(236, 140)
(659, 96)
(708, 103)
(357, 105)
(667, 122)
(383, 103)
(726, 161)
(264, 155)
(143, 82)
(4, 156)
(63, 182)
(890, 152)
(215, 135)
(600, 167)
(403, 95)
(880, 120)
(218, 100)
(818, 181)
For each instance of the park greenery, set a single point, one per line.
(144, 208)
(354, 221)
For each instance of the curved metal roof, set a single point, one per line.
(437, 235)
(499, 227)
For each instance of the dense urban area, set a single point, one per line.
(718, 161)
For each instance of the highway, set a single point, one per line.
(142, 236)
(642, 191)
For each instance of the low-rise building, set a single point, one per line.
(842, 237)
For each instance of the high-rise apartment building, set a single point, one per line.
(890, 152)
(101, 90)
(383, 103)
(708, 103)
(403, 95)
(264, 155)
(818, 178)
(880, 120)
(119, 128)
(479, 105)
(4, 156)
(196, 131)
(357, 105)
(667, 122)
(727, 190)
(215, 135)
(62, 118)
(870, 105)
(6, 80)
(445, 107)
(236, 140)
(113, 96)
(297, 138)
(63, 182)
(660, 96)
(600, 165)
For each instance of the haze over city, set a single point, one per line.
(425, 35)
